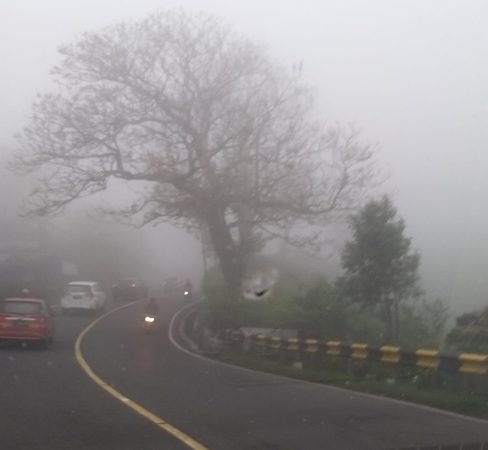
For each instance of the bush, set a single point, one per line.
(422, 324)
(364, 325)
(279, 310)
(220, 314)
(319, 311)
(470, 333)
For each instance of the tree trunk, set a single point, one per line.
(228, 254)
(388, 318)
(396, 321)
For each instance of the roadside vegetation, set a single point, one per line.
(470, 333)
(377, 300)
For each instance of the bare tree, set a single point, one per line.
(208, 126)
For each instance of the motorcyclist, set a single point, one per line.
(152, 307)
(187, 286)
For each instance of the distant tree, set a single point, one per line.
(101, 252)
(380, 268)
(209, 131)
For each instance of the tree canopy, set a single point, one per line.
(211, 130)
(380, 267)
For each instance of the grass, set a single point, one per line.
(460, 402)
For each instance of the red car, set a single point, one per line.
(26, 319)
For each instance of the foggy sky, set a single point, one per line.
(413, 75)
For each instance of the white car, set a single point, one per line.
(83, 295)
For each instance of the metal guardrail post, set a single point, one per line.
(428, 359)
(258, 344)
(359, 351)
(274, 345)
(293, 350)
(390, 354)
(333, 348)
(357, 357)
(340, 352)
(473, 363)
(312, 345)
(310, 353)
(358, 365)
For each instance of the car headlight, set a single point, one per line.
(149, 319)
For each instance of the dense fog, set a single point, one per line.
(411, 75)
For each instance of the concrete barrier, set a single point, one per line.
(298, 350)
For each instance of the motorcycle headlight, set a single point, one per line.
(149, 319)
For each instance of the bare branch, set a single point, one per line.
(212, 129)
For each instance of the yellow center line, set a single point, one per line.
(158, 421)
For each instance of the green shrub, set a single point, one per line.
(321, 313)
(422, 324)
(316, 309)
(470, 333)
(364, 325)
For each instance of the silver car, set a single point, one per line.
(83, 296)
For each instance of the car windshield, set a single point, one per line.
(21, 307)
(78, 289)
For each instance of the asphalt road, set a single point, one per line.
(48, 402)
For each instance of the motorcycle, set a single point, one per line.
(187, 294)
(150, 323)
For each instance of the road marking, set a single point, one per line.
(158, 421)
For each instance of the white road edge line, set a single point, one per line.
(323, 386)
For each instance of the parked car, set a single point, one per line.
(26, 319)
(129, 289)
(83, 296)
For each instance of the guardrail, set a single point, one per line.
(313, 350)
